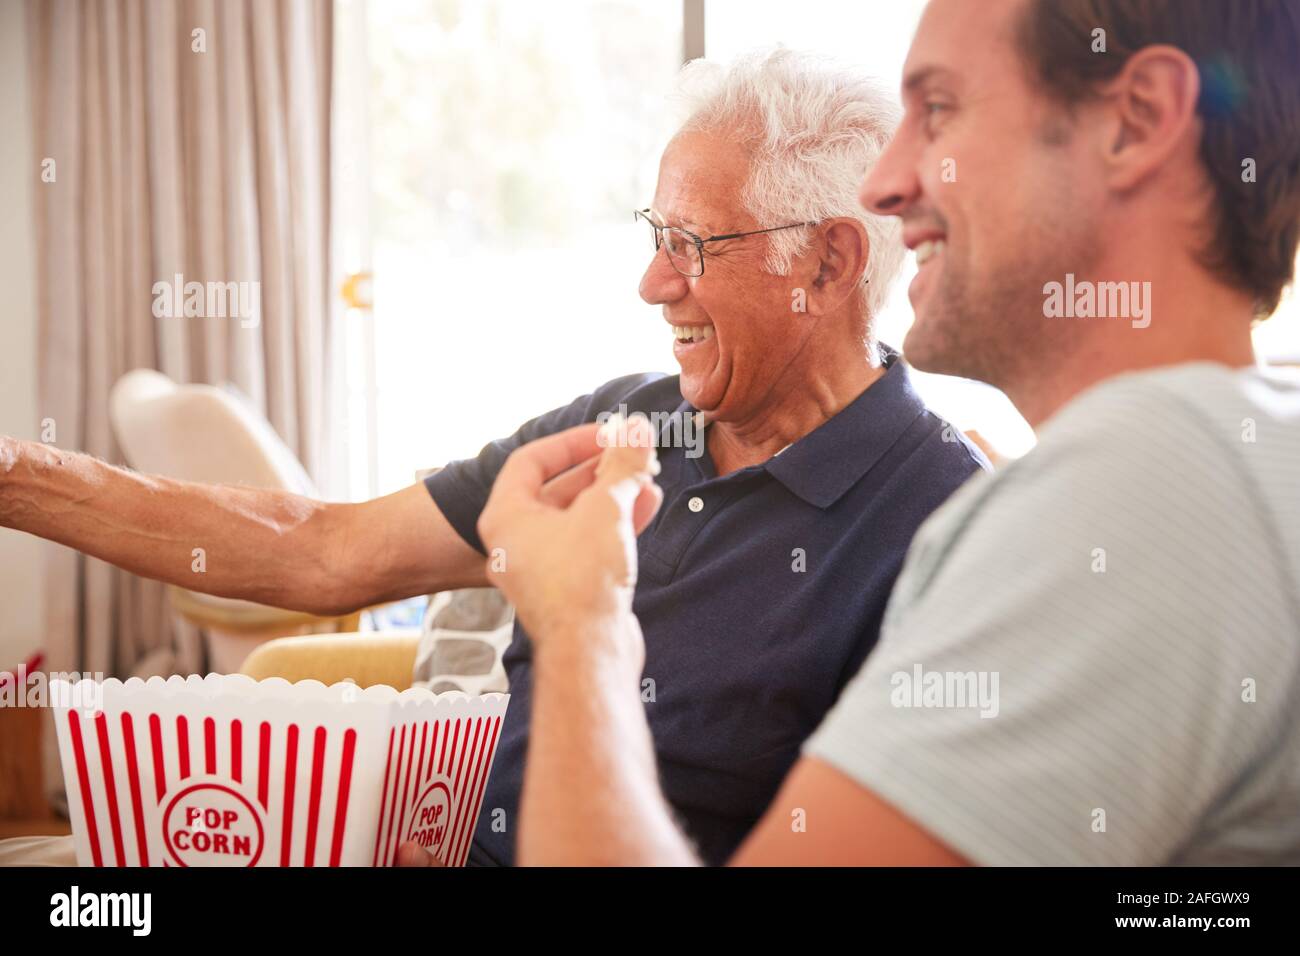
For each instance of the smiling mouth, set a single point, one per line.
(691, 334)
(927, 250)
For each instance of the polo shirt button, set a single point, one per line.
(696, 504)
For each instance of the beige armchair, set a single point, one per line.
(381, 657)
(459, 647)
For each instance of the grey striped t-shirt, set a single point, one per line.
(1093, 656)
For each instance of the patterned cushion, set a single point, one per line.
(465, 634)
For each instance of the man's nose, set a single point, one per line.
(892, 185)
(662, 283)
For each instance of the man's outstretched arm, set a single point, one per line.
(272, 547)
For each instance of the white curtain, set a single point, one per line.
(186, 138)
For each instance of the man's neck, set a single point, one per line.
(1195, 319)
(807, 396)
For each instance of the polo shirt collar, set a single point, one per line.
(820, 467)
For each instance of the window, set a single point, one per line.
(505, 143)
(510, 141)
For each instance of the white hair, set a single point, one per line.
(813, 127)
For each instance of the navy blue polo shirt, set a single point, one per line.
(759, 593)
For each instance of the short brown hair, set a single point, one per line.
(1248, 54)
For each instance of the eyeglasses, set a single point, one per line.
(686, 249)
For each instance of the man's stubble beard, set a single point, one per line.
(992, 328)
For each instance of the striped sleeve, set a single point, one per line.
(1088, 655)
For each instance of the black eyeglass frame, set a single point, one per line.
(701, 240)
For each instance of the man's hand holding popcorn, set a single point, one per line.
(560, 530)
(568, 566)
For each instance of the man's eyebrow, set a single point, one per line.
(924, 74)
(683, 220)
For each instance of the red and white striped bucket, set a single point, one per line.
(227, 771)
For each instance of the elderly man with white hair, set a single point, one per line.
(764, 575)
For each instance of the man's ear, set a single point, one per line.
(837, 260)
(1153, 100)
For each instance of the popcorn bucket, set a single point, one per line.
(227, 771)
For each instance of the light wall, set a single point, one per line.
(21, 556)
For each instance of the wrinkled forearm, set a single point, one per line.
(272, 547)
(591, 791)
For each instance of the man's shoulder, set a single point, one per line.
(1152, 455)
(1186, 431)
(950, 447)
(1164, 426)
(1218, 399)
